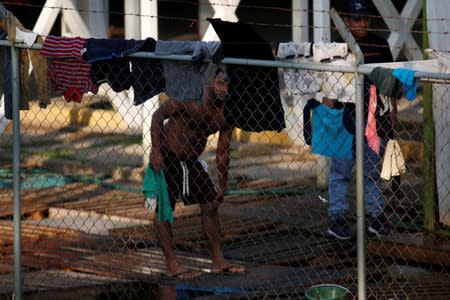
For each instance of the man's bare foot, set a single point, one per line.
(229, 269)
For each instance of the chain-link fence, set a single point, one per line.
(85, 231)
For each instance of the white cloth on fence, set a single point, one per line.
(334, 85)
(28, 37)
(302, 85)
(393, 161)
(339, 85)
(294, 49)
(328, 51)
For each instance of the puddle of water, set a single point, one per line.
(33, 179)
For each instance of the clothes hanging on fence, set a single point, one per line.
(5, 53)
(107, 49)
(40, 69)
(393, 161)
(147, 77)
(373, 140)
(340, 85)
(333, 85)
(294, 49)
(299, 82)
(255, 102)
(324, 130)
(112, 64)
(38, 62)
(27, 37)
(185, 80)
(386, 83)
(301, 85)
(408, 81)
(388, 87)
(68, 71)
(329, 51)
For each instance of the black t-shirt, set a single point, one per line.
(375, 49)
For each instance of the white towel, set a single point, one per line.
(393, 161)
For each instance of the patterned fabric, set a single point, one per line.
(68, 72)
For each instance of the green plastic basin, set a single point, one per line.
(326, 292)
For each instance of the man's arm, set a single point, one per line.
(223, 160)
(170, 108)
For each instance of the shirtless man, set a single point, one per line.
(179, 133)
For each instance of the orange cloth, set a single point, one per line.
(373, 139)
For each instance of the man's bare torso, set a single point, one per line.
(186, 134)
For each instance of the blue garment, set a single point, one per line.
(185, 80)
(340, 177)
(5, 53)
(7, 81)
(155, 187)
(329, 136)
(406, 77)
(106, 49)
(111, 65)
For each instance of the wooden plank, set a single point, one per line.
(33, 232)
(410, 248)
(188, 231)
(42, 199)
(53, 279)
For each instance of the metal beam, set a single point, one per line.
(47, 17)
(400, 26)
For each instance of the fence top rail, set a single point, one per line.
(361, 69)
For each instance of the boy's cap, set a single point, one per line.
(357, 8)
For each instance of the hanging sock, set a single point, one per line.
(373, 139)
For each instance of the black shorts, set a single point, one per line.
(189, 180)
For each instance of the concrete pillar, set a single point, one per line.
(132, 19)
(72, 24)
(96, 16)
(300, 21)
(321, 21)
(149, 28)
(322, 33)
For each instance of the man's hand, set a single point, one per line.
(156, 160)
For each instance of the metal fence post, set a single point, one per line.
(16, 173)
(359, 128)
(360, 214)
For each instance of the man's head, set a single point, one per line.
(357, 18)
(220, 84)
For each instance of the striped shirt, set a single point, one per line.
(68, 72)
